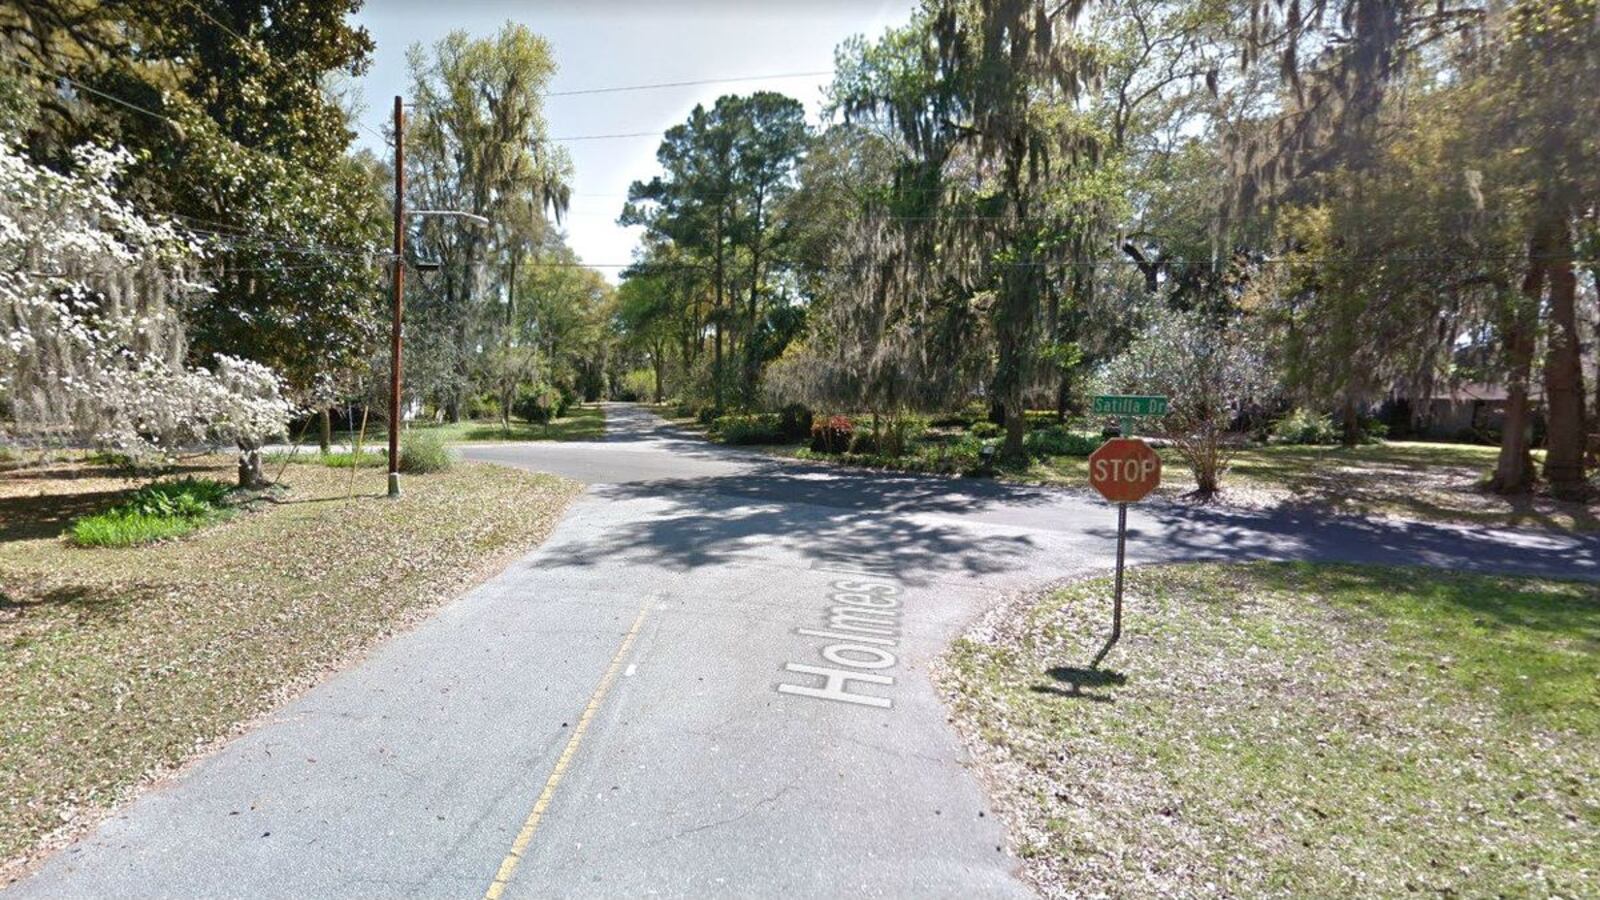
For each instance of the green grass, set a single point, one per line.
(333, 459)
(155, 512)
(581, 423)
(117, 665)
(124, 529)
(1297, 730)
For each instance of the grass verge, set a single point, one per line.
(333, 459)
(1294, 730)
(118, 664)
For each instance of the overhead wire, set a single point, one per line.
(244, 237)
(672, 84)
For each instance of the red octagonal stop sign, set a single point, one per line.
(1124, 470)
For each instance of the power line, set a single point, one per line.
(98, 93)
(672, 84)
(607, 137)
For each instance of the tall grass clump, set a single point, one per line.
(423, 451)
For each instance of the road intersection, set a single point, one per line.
(712, 679)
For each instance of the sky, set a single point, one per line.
(621, 43)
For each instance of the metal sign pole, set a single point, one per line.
(1116, 601)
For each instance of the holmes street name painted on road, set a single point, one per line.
(864, 620)
(1125, 405)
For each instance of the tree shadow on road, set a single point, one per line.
(1209, 533)
(832, 517)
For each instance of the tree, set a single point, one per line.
(991, 78)
(692, 204)
(726, 172)
(90, 316)
(645, 313)
(773, 135)
(1210, 368)
(233, 133)
(1515, 98)
(478, 142)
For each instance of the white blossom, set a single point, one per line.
(92, 347)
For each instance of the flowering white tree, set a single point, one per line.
(91, 332)
(1209, 369)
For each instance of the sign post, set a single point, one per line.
(1124, 470)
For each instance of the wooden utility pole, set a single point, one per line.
(399, 281)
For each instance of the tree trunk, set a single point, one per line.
(1016, 428)
(1563, 371)
(1352, 422)
(658, 359)
(1594, 273)
(325, 435)
(1513, 473)
(750, 362)
(1015, 319)
(250, 474)
(716, 359)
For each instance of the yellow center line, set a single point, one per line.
(525, 837)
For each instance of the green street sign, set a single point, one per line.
(1129, 405)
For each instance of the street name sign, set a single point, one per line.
(1128, 405)
(1124, 470)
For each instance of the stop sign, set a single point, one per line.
(1124, 470)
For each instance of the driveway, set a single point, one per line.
(711, 680)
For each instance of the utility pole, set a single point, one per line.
(399, 281)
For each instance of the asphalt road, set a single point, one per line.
(711, 680)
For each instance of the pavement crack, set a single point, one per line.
(764, 801)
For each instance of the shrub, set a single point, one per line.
(154, 512)
(864, 443)
(965, 417)
(900, 433)
(794, 421)
(1058, 441)
(759, 428)
(483, 406)
(985, 429)
(1303, 426)
(707, 414)
(832, 436)
(537, 403)
(637, 384)
(423, 450)
(566, 398)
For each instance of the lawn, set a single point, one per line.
(582, 423)
(1294, 730)
(1400, 479)
(119, 664)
